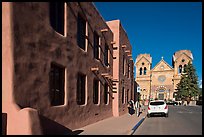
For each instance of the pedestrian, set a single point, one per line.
(131, 106)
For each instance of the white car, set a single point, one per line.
(157, 107)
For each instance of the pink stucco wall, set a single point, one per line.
(121, 39)
(29, 47)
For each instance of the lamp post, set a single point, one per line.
(150, 87)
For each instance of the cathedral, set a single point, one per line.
(160, 81)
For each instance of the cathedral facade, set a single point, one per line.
(160, 81)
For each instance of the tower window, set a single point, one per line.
(184, 68)
(142, 63)
(145, 69)
(180, 69)
(183, 60)
(140, 71)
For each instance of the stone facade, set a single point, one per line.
(160, 82)
(58, 74)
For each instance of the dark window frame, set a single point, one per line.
(95, 91)
(81, 89)
(106, 49)
(96, 45)
(123, 95)
(57, 83)
(106, 96)
(57, 20)
(81, 32)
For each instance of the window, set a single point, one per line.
(142, 63)
(128, 70)
(180, 69)
(127, 95)
(184, 70)
(106, 93)
(81, 32)
(123, 95)
(57, 16)
(95, 91)
(81, 85)
(140, 71)
(145, 69)
(57, 79)
(96, 45)
(124, 64)
(106, 55)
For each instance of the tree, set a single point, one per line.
(188, 85)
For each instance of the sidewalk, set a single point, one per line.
(122, 125)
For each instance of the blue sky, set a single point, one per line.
(159, 28)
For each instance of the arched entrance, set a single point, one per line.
(161, 92)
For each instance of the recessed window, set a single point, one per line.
(128, 70)
(106, 95)
(123, 64)
(81, 32)
(106, 55)
(142, 63)
(145, 70)
(183, 60)
(95, 91)
(180, 69)
(57, 78)
(96, 45)
(184, 68)
(127, 95)
(57, 16)
(140, 71)
(81, 89)
(123, 95)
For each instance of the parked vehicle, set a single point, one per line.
(172, 103)
(157, 107)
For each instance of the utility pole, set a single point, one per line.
(150, 87)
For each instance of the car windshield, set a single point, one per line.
(157, 103)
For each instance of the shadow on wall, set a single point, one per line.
(4, 123)
(50, 127)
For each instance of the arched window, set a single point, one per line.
(140, 71)
(184, 68)
(180, 69)
(145, 69)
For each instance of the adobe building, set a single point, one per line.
(57, 67)
(123, 76)
(160, 82)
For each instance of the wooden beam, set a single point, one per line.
(124, 46)
(127, 51)
(94, 69)
(104, 30)
(113, 42)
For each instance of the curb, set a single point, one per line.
(137, 125)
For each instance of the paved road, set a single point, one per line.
(182, 120)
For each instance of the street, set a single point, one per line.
(182, 120)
